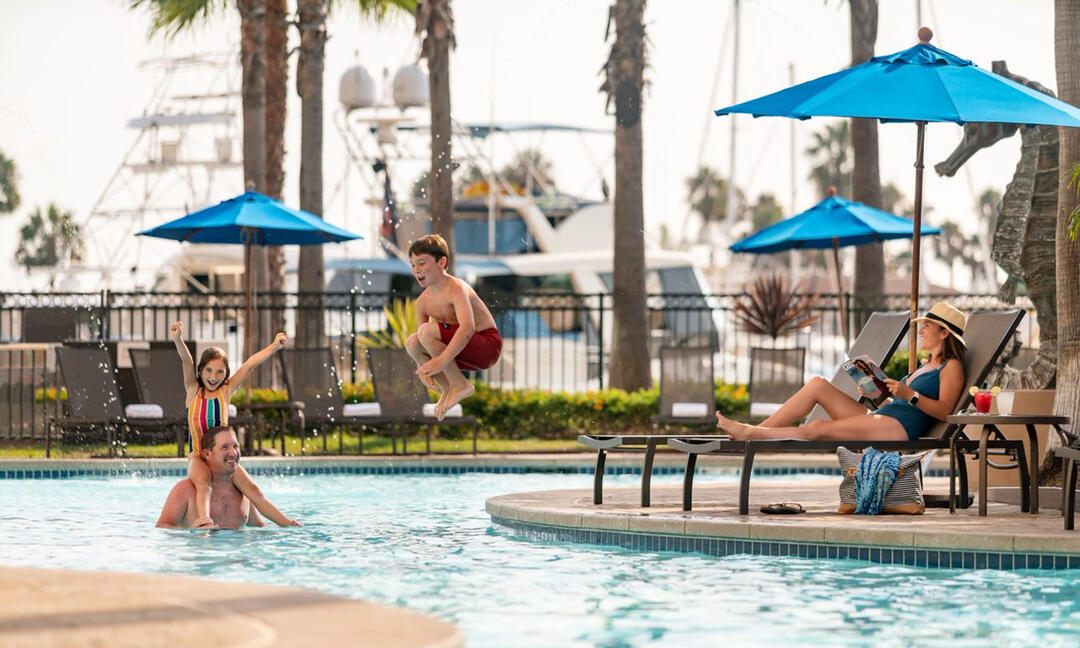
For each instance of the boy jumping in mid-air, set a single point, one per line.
(463, 333)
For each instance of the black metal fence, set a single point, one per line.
(552, 341)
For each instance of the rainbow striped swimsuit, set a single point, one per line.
(205, 413)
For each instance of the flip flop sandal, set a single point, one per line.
(782, 508)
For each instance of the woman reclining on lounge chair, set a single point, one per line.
(919, 400)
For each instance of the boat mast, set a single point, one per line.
(730, 204)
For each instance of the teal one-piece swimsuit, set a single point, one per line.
(915, 421)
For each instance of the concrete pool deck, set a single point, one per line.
(62, 608)
(1005, 539)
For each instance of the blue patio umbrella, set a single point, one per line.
(251, 219)
(832, 223)
(921, 84)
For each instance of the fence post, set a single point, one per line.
(103, 329)
(352, 337)
(600, 339)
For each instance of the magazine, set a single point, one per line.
(868, 376)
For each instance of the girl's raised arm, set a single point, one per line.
(176, 330)
(237, 380)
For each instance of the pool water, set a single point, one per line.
(424, 542)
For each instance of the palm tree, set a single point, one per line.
(706, 192)
(47, 238)
(277, 82)
(9, 185)
(865, 174)
(952, 246)
(832, 164)
(174, 16)
(1067, 249)
(311, 19)
(765, 211)
(894, 201)
(624, 76)
(989, 206)
(435, 24)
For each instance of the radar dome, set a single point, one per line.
(357, 88)
(410, 87)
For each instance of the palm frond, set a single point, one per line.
(376, 10)
(1074, 217)
(172, 17)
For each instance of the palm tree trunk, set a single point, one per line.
(440, 189)
(309, 80)
(865, 174)
(1067, 251)
(277, 78)
(253, 99)
(629, 355)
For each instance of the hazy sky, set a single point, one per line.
(70, 79)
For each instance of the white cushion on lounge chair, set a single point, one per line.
(453, 412)
(689, 410)
(763, 409)
(361, 409)
(143, 411)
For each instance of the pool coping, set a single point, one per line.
(60, 607)
(933, 540)
(576, 463)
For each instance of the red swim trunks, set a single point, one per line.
(480, 353)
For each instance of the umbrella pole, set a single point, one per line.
(249, 288)
(840, 292)
(916, 246)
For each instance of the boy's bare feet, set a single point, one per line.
(203, 523)
(442, 398)
(454, 396)
(738, 431)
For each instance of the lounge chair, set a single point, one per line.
(403, 400)
(878, 339)
(687, 387)
(159, 380)
(775, 376)
(986, 334)
(1070, 454)
(53, 323)
(311, 378)
(93, 401)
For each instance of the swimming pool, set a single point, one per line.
(424, 542)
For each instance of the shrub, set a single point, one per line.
(523, 413)
(897, 367)
(49, 394)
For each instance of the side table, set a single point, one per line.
(990, 423)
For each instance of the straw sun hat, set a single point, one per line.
(947, 317)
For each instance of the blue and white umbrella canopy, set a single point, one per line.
(921, 84)
(251, 219)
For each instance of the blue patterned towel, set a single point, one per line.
(873, 478)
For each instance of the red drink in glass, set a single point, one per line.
(982, 402)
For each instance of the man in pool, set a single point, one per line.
(228, 506)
